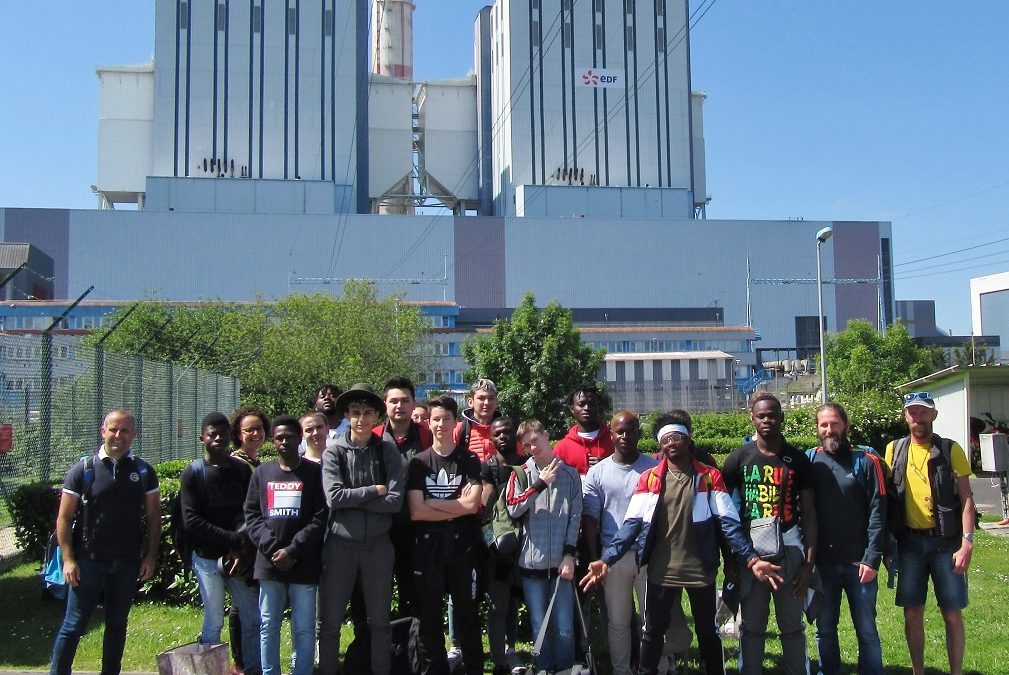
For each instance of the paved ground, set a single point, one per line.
(987, 496)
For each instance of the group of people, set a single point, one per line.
(353, 508)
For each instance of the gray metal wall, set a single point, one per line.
(492, 262)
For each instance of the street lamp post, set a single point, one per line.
(822, 236)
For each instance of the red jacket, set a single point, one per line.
(575, 450)
(478, 441)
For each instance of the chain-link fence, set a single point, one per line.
(55, 391)
(644, 397)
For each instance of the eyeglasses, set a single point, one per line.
(918, 396)
(253, 430)
(675, 437)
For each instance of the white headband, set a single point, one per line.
(672, 428)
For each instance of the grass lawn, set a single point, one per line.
(28, 624)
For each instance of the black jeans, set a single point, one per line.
(448, 561)
(402, 543)
(659, 602)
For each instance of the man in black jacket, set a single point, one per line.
(850, 492)
(213, 499)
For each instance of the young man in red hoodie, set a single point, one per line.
(473, 429)
(589, 440)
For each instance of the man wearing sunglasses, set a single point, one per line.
(931, 512)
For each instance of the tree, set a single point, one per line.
(284, 350)
(863, 368)
(535, 358)
(971, 353)
(860, 359)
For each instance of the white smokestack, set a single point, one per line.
(392, 38)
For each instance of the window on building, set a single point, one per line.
(183, 16)
(328, 23)
(222, 16)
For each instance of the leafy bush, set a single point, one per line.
(173, 468)
(33, 508)
(170, 583)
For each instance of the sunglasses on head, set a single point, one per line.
(918, 396)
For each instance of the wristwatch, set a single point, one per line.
(969, 537)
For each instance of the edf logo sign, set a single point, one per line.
(599, 77)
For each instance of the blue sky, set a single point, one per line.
(828, 109)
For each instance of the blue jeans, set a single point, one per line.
(245, 596)
(922, 557)
(558, 652)
(273, 600)
(118, 579)
(862, 604)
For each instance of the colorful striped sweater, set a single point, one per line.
(713, 511)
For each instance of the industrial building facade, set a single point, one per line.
(570, 163)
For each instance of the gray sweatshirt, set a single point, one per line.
(551, 516)
(349, 478)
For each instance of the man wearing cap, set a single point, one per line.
(362, 475)
(931, 512)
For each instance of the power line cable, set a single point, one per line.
(968, 266)
(952, 201)
(961, 250)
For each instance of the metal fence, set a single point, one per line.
(55, 391)
(644, 397)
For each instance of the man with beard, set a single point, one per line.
(324, 401)
(931, 512)
(851, 520)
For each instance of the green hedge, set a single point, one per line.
(33, 508)
(170, 584)
(721, 446)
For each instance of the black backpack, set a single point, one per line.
(177, 523)
(405, 650)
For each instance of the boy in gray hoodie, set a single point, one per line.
(362, 476)
(551, 510)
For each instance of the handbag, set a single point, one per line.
(195, 659)
(588, 668)
(766, 534)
